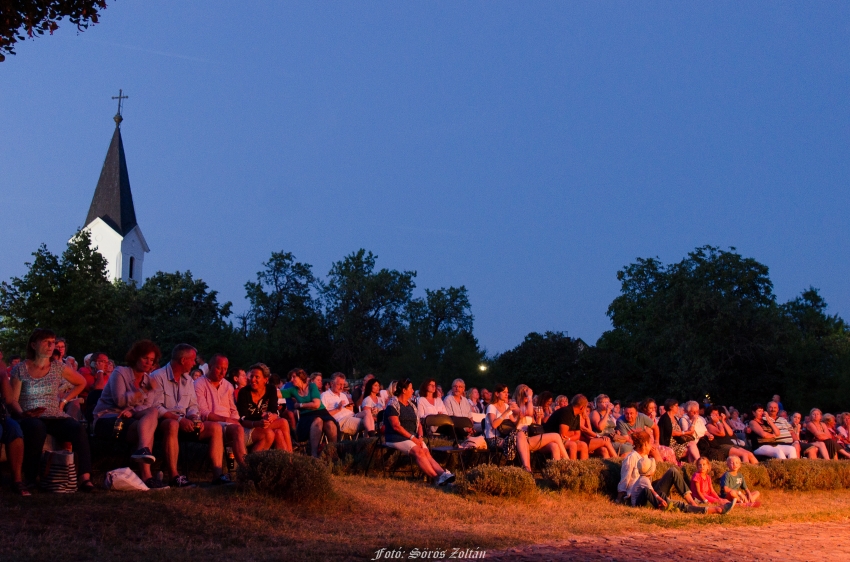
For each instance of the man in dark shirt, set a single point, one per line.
(567, 423)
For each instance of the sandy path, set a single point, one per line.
(785, 541)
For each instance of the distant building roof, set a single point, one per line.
(113, 201)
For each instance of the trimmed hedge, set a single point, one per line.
(602, 476)
(296, 478)
(808, 474)
(501, 481)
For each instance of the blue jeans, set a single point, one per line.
(9, 431)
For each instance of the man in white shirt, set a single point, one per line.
(693, 423)
(177, 404)
(215, 404)
(458, 406)
(342, 409)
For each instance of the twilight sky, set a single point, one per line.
(525, 150)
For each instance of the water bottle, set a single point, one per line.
(118, 428)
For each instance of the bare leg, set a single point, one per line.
(743, 454)
(282, 438)
(572, 449)
(315, 436)
(15, 454)
(234, 435)
(542, 441)
(212, 431)
(368, 420)
(523, 450)
(169, 430)
(693, 451)
(581, 449)
(330, 431)
(423, 461)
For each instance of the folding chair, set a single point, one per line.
(386, 451)
(443, 421)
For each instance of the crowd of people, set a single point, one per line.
(235, 411)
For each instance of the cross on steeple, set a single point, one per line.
(120, 97)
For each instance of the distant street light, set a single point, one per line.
(482, 367)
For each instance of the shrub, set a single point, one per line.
(296, 478)
(589, 476)
(502, 481)
(602, 475)
(808, 474)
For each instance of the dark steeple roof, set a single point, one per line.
(113, 201)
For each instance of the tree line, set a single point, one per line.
(358, 319)
(708, 326)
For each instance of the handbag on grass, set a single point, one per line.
(59, 472)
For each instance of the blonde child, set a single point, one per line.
(701, 486)
(642, 492)
(734, 487)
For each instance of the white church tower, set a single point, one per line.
(112, 218)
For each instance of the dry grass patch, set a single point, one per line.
(366, 514)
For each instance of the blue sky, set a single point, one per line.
(525, 150)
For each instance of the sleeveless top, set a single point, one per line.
(43, 392)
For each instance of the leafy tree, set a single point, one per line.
(549, 361)
(172, 308)
(284, 324)
(816, 365)
(365, 311)
(710, 325)
(438, 341)
(69, 294)
(35, 17)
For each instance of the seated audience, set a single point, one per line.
(603, 422)
(341, 408)
(404, 433)
(546, 403)
(429, 404)
(373, 400)
(239, 381)
(596, 442)
(566, 422)
(670, 432)
(258, 407)
(129, 396)
(733, 486)
(500, 430)
(633, 422)
(474, 400)
(771, 441)
(819, 433)
(33, 397)
(11, 436)
(693, 424)
(179, 417)
(216, 404)
(722, 445)
(314, 420)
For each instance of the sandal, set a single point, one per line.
(86, 486)
(21, 489)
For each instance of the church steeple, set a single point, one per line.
(112, 216)
(113, 200)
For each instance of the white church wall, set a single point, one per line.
(108, 243)
(133, 246)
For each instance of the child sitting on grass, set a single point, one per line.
(701, 486)
(643, 493)
(734, 487)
